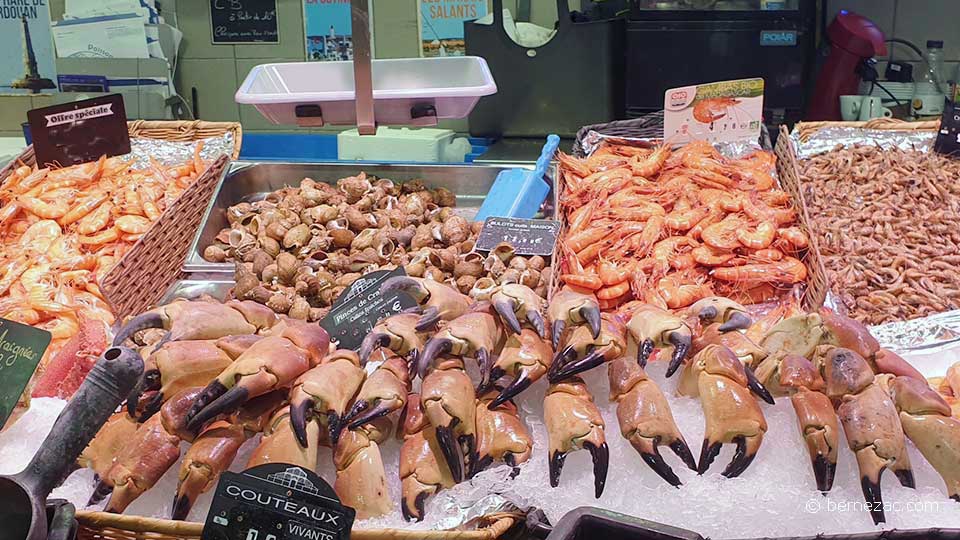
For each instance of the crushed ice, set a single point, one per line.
(775, 497)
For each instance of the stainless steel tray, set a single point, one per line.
(248, 181)
(194, 288)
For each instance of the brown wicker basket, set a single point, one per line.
(104, 526)
(144, 273)
(787, 167)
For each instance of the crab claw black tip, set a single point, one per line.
(100, 492)
(644, 351)
(708, 313)
(373, 341)
(737, 321)
(428, 319)
(448, 447)
(569, 369)
(362, 413)
(757, 387)
(659, 466)
(556, 466)
(434, 348)
(227, 403)
(133, 399)
(682, 451)
(516, 386)
(399, 283)
(136, 324)
(562, 357)
(489, 379)
(334, 427)
(601, 462)
(181, 507)
(681, 342)
(151, 408)
(824, 470)
(708, 453)
(742, 458)
(557, 333)
(591, 314)
(506, 310)
(906, 478)
(538, 323)
(298, 420)
(871, 494)
(210, 394)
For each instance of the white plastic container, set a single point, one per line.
(406, 91)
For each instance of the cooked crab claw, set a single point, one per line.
(526, 357)
(569, 307)
(716, 309)
(731, 414)
(397, 333)
(927, 421)
(651, 327)
(818, 420)
(583, 352)
(501, 435)
(323, 393)
(449, 403)
(384, 392)
(757, 387)
(870, 422)
(574, 423)
(514, 301)
(439, 301)
(473, 334)
(645, 418)
(270, 363)
(200, 320)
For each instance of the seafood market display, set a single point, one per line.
(300, 247)
(61, 232)
(885, 224)
(669, 227)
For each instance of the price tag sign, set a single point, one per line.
(527, 236)
(359, 308)
(726, 111)
(948, 139)
(276, 501)
(80, 132)
(21, 348)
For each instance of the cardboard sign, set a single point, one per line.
(359, 308)
(21, 348)
(948, 138)
(276, 501)
(244, 21)
(80, 132)
(726, 111)
(527, 236)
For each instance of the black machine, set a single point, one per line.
(683, 42)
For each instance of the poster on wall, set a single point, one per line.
(441, 25)
(329, 31)
(27, 65)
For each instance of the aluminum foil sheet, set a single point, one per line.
(733, 150)
(173, 153)
(925, 333)
(827, 139)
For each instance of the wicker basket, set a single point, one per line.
(788, 169)
(104, 526)
(649, 126)
(143, 274)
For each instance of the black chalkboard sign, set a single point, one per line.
(244, 21)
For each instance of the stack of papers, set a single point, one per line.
(110, 29)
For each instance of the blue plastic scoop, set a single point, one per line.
(518, 193)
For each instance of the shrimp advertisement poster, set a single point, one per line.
(329, 29)
(441, 25)
(27, 65)
(723, 111)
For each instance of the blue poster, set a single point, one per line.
(441, 25)
(328, 29)
(27, 65)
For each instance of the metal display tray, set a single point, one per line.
(249, 181)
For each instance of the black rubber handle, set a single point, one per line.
(107, 384)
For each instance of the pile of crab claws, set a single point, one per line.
(601, 462)
(757, 387)
(214, 400)
(682, 342)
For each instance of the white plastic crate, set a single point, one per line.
(406, 91)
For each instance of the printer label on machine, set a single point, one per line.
(725, 111)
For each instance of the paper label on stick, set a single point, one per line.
(21, 348)
(726, 111)
(276, 501)
(527, 236)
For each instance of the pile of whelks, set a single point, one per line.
(217, 374)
